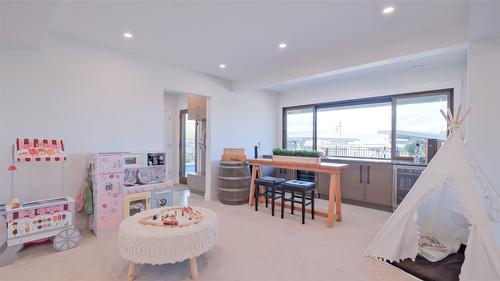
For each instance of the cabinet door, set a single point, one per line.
(196, 107)
(322, 184)
(352, 182)
(280, 173)
(378, 184)
(109, 201)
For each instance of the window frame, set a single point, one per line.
(284, 123)
(449, 100)
(365, 101)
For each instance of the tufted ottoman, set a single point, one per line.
(139, 243)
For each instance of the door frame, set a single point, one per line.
(182, 145)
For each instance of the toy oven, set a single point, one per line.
(135, 203)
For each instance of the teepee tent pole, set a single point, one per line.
(457, 116)
(463, 117)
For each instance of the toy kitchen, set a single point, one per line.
(124, 184)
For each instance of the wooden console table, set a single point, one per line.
(333, 169)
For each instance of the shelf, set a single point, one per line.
(143, 167)
(144, 185)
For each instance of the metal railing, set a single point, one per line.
(367, 151)
(381, 152)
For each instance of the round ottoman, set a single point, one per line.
(139, 243)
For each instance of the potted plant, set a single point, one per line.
(302, 156)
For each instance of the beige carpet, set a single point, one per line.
(251, 246)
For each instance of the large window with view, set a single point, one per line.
(391, 127)
(299, 128)
(355, 131)
(419, 123)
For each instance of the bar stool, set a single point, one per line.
(300, 189)
(271, 185)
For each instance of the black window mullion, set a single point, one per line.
(393, 128)
(315, 128)
(284, 136)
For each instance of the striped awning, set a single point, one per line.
(29, 150)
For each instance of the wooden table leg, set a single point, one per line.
(252, 186)
(338, 198)
(260, 174)
(131, 271)
(194, 268)
(331, 199)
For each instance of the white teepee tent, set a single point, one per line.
(451, 198)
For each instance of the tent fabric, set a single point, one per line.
(452, 198)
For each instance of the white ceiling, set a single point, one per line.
(451, 58)
(242, 34)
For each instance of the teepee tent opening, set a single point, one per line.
(452, 199)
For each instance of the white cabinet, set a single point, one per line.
(197, 107)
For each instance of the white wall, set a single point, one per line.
(377, 82)
(484, 99)
(94, 100)
(97, 99)
(169, 136)
(174, 103)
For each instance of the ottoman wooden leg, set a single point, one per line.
(131, 271)
(194, 268)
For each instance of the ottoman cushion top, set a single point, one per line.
(140, 243)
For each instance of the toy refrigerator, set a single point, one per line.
(107, 182)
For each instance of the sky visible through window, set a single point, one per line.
(365, 130)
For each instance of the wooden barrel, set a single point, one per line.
(234, 182)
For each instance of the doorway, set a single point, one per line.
(187, 146)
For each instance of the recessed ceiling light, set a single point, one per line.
(388, 10)
(128, 35)
(282, 45)
(222, 66)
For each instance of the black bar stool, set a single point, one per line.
(302, 190)
(271, 185)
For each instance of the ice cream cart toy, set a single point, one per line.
(52, 218)
(33, 221)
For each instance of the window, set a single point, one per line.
(299, 128)
(355, 131)
(384, 128)
(419, 121)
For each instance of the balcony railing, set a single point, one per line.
(381, 152)
(367, 151)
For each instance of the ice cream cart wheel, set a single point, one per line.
(66, 239)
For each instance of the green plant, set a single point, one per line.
(299, 153)
(410, 148)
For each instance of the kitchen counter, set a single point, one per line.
(371, 160)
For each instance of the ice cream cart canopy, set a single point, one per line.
(28, 150)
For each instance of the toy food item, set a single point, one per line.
(14, 204)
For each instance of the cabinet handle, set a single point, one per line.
(368, 174)
(360, 173)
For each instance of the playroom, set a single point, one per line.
(245, 140)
